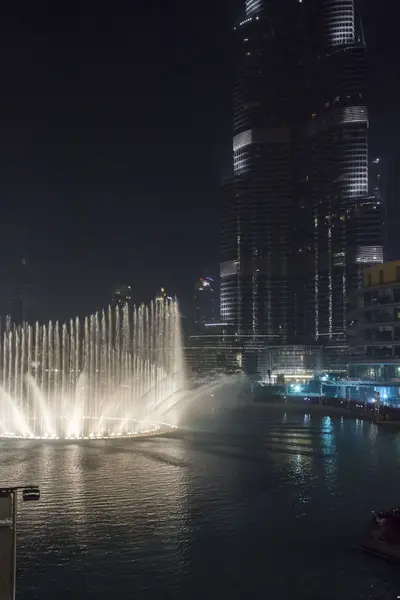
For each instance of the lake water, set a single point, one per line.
(246, 503)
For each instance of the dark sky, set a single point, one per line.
(114, 134)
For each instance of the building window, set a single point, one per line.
(381, 276)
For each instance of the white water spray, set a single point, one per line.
(102, 377)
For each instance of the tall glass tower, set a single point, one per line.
(299, 222)
(256, 270)
(347, 224)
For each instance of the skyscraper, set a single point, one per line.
(374, 177)
(347, 223)
(256, 269)
(21, 293)
(298, 220)
(206, 302)
(121, 296)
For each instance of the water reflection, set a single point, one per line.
(328, 443)
(207, 514)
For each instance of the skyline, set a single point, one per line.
(87, 156)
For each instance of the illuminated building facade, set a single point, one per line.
(299, 219)
(254, 7)
(206, 300)
(374, 177)
(376, 336)
(347, 222)
(214, 347)
(256, 270)
(364, 238)
(122, 296)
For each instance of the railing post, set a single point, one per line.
(14, 544)
(8, 536)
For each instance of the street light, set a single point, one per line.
(31, 493)
(8, 535)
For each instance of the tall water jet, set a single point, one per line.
(102, 377)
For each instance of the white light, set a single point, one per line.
(369, 254)
(253, 7)
(242, 139)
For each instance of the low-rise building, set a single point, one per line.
(216, 348)
(374, 331)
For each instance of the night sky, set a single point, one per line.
(115, 125)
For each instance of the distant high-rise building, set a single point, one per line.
(347, 227)
(206, 300)
(375, 178)
(162, 294)
(122, 295)
(299, 220)
(258, 218)
(364, 239)
(21, 293)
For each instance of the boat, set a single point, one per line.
(383, 536)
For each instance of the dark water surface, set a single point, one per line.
(249, 503)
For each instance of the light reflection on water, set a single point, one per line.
(232, 511)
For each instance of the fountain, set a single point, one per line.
(102, 377)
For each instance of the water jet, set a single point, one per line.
(103, 377)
